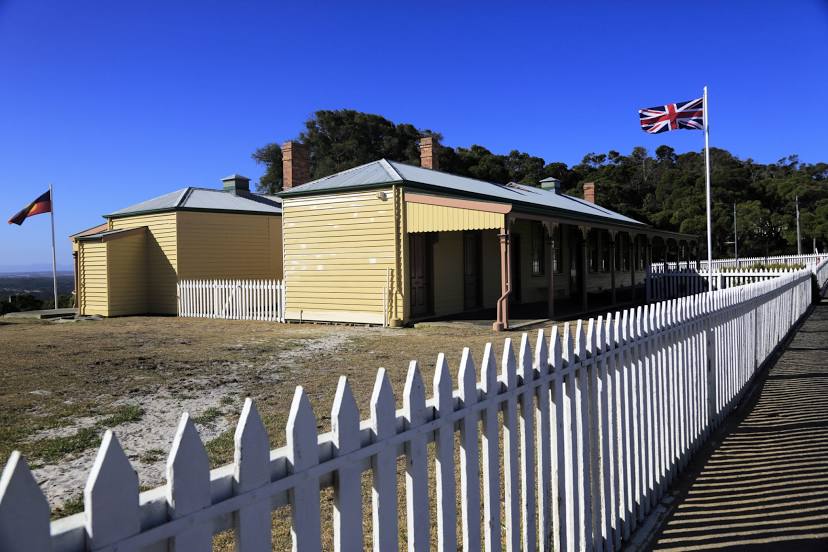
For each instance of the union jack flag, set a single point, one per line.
(689, 115)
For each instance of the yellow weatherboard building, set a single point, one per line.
(390, 243)
(132, 265)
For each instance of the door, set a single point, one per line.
(419, 246)
(472, 270)
(515, 296)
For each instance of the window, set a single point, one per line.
(557, 262)
(594, 257)
(538, 249)
(623, 250)
(605, 252)
(640, 259)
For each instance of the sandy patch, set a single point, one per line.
(153, 432)
(147, 441)
(323, 345)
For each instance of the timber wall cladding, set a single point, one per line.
(338, 251)
(92, 273)
(229, 246)
(162, 258)
(127, 274)
(588, 430)
(448, 271)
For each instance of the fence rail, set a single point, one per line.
(742, 262)
(663, 282)
(232, 299)
(597, 420)
(669, 284)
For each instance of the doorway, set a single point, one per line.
(472, 270)
(421, 254)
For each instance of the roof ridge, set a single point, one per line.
(390, 169)
(185, 195)
(385, 166)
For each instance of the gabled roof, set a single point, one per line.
(384, 172)
(204, 199)
(89, 231)
(108, 235)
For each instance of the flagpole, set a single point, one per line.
(54, 258)
(707, 192)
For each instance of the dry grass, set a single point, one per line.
(56, 373)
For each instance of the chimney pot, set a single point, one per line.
(589, 191)
(295, 164)
(236, 184)
(428, 152)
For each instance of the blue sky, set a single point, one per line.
(116, 102)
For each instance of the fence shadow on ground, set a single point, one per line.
(764, 485)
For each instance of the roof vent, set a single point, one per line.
(552, 184)
(236, 183)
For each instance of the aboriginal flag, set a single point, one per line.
(43, 204)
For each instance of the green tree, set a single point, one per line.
(666, 189)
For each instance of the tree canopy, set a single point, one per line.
(665, 189)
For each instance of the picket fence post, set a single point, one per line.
(469, 458)
(188, 484)
(24, 511)
(384, 465)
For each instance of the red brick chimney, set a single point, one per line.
(589, 191)
(428, 152)
(295, 164)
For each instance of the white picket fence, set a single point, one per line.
(597, 420)
(669, 284)
(821, 272)
(232, 299)
(663, 282)
(794, 260)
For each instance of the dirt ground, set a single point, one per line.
(65, 383)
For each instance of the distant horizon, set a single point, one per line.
(34, 269)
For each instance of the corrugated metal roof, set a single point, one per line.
(89, 231)
(384, 171)
(375, 172)
(513, 193)
(205, 199)
(111, 234)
